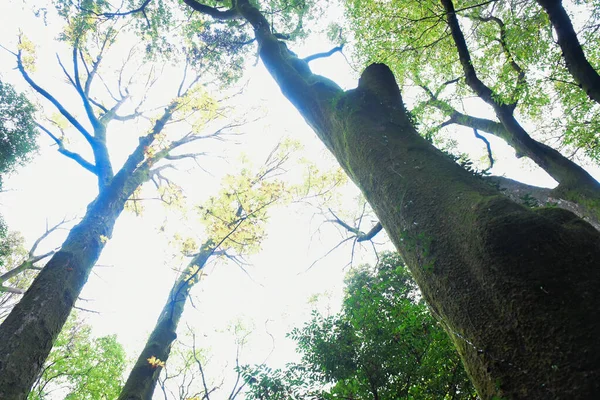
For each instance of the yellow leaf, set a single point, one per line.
(103, 239)
(155, 362)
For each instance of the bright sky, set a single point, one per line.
(135, 271)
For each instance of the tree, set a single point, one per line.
(18, 266)
(235, 222)
(27, 334)
(584, 73)
(383, 344)
(499, 276)
(18, 132)
(80, 366)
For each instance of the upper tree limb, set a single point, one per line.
(583, 72)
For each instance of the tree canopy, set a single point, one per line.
(383, 344)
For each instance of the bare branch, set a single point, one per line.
(488, 147)
(371, 234)
(324, 54)
(70, 154)
(55, 102)
(6, 289)
(84, 98)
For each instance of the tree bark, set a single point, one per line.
(516, 289)
(28, 333)
(539, 197)
(577, 64)
(142, 379)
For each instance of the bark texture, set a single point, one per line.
(28, 333)
(142, 379)
(535, 196)
(516, 289)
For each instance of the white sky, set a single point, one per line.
(131, 288)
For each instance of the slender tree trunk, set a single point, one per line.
(516, 289)
(142, 379)
(28, 333)
(577, 64)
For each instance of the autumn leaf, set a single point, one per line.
(155, 362)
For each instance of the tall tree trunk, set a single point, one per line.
(28, 333)
(142, 379)
(577, 64)
(516, 289)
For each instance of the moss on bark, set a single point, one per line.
(513, 287)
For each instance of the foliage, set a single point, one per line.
(505, 39)
(18, 132)
(238, 214)
(12, 254)
(80, 366)
(383, 344)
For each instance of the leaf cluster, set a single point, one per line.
(383, 344)
(18, 132)
(505, 39)
(87, 368)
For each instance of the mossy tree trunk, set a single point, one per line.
(516, 289)
(143, 376)
(28, 333)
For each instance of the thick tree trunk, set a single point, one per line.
(28, 333)
(578, 65)
(142, 379)
(516, 289)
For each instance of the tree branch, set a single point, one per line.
(231, 13)
(464, 55)
(84, 98)
(577, 63)
(488, 147)
(509, 57)
(70, 154)
(324, 54)
(141, 9)
(90, 139)
(6, 289)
